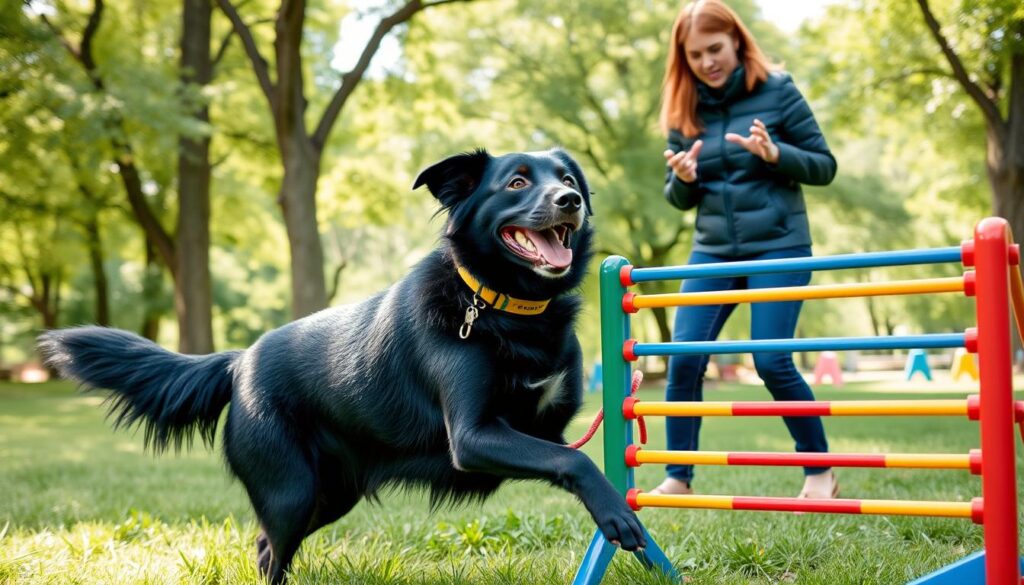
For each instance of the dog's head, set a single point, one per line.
(518, 221)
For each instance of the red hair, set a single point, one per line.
(679, 88)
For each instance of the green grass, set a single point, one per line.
(80, 503)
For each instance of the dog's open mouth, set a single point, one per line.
(548, 248)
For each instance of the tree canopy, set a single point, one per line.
(304, 150)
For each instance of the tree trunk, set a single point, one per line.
(192, 292)
(301, 160)
(48, 300)
(876, 328)
(99, 276)
(298, 203)
(301, 151)
(1007, 184)
(151, 288)
(1006, 176)
(1005, 164)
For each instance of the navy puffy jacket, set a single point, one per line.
(745, 205)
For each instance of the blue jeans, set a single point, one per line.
(775, 320)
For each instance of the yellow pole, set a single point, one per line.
(690, 501)
(782, 408)
(892, 460)
(912, 508)
(683, 457)
(880, 507)
(797, 293)
(928, 461)
(899, 408)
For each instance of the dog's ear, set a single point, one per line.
(575, 169)
(456, 177)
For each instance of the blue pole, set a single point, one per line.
(790, 345)
(725, 269)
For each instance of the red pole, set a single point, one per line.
(999, 485)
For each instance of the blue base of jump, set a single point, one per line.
(969, 570)
(600, 554)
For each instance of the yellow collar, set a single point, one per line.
(501, 301)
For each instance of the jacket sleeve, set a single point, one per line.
(803, 154)
(678, 193)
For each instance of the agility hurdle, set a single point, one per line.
(995, 283)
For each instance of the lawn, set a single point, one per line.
(80, 503)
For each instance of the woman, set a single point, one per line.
(741, 140)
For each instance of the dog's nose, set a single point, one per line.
(568, 201)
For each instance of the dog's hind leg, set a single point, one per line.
(329, 507)
(275, 468)
(332, 500)
(284, 511)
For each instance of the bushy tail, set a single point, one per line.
(169, 394)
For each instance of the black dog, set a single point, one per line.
(454, 379)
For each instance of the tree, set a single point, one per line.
(997, 86)
(35, 236)
(184, 252)
(939, 86)
(300, 149)
(95, 199)
(958, 86)
(192, 293)
(119, 132)
(46, 166)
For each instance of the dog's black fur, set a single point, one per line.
(341, 404)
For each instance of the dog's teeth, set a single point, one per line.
(525, 241)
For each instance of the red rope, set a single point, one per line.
(590, 432)
(638, 377)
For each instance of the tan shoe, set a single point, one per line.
(673, 487)
(822, 486)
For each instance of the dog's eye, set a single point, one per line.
(517, 183)
(568, 181)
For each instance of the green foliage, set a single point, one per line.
(910, 142)
(488, 536)
(884, 80)
(505, 75)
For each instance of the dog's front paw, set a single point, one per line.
(614, 518)
(620, 526)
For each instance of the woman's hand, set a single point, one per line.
(684, 164)
(758, 143)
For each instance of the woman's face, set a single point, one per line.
(711, 56)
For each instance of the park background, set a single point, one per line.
(163, 162)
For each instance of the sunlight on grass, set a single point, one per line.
(84, 504)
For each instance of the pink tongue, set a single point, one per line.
(550, 247)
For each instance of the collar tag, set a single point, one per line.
(472, 312)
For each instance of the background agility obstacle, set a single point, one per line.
(995, 283)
